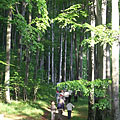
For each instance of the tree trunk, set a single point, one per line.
(108, 71)
(53, 76)
(71, 59)
(108, 75)
(115, 62)
(91, 112)
(65, 55)
(49, 65)
(20, 37)
(104, 7)
(27, 64)
(80, 60)
(76, 55)
(103, 13)
(61, 55)
(48, 35)
(35, 72)
(7, 67)
(3, 37)
(99, 47)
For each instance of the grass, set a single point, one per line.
(80, 110)
(39, 110)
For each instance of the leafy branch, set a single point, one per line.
(70, 17)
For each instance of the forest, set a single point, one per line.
(59, 44)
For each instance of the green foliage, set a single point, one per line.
(34, 110)
(42, 22)
(69, 17)
(77, 85)
(102, 104)
(16, 80)
(1, 62)
(85, 87)
(16, 83)
(7, 3)
(28, 32)
(102, 34)
(23, 108)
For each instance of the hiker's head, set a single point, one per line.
(52, 102)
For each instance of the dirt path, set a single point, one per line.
(46, 116)
(23, 117)
(16, 117)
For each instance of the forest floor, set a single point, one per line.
(78, 113)
(40, 110)
(44, 117)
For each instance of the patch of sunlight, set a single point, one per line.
(20, 108)
(65, 113)
(43, 104)
(81, 106)
(33, 112)
(79, 114)
(5, 108)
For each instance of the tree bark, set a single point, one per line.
(65, 54)
(61, 55)
(71, 58)
(20, 37)
(7, 67)
(76, 55)
(115, 62)
(104, 7)
(91, 111)
(35, 72)
(80, 58)
(49, 65)
(53, 76)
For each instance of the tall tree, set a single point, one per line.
(35, 71)
(20, 46)
(65, 55)
(104, 7)
(49, 65)
(71, 57)
(99, 47)
(8, 48)
(115, 61)
(27, 60)
(80, 56)
(53, 37)
(91, 112)
(76, 54)
(52, 54)
(61, 56)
